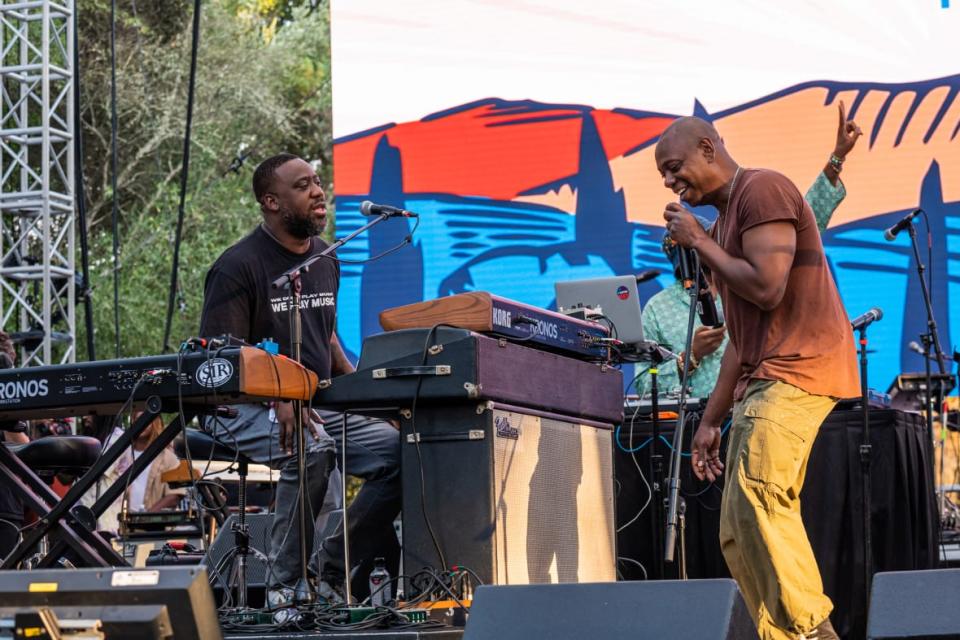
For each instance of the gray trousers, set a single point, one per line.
(256, 434)
(373, 454)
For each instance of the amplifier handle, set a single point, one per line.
(404, 372)
(472, 434)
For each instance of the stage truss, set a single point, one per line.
(37, 208)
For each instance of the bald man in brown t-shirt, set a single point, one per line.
(791, 356)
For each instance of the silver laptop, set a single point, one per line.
(616, 297)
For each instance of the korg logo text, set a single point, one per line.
(214, 373)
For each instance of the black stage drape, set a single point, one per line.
(904, 514)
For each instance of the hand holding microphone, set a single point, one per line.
(682, 226)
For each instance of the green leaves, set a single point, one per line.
(262, 94)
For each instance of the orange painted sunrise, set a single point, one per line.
(794, 134)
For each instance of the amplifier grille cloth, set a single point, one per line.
(553, 501)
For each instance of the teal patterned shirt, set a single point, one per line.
(665, 314)
(824, 198)
(665, 321)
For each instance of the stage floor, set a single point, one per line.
(385, 634)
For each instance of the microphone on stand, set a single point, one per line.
(860, 322)
(649, 274)
(368, 208)
(916, 348)
(907, 220)
(656, 352)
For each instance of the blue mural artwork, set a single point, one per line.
(517, 244)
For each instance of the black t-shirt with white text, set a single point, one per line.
(238, 299)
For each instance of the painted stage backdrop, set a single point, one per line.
(523, 133)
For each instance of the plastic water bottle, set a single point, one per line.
(379, 583)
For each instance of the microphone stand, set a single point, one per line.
(866, 449)
(650, 351)
(654, 466)
(930, 338)
(291, 279)
(673, 483)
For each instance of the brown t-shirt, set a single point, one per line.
(805, 340)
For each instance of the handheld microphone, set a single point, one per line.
(690, 276)
(688, 272)
(892, 232)
(368, 208)
(873, 315)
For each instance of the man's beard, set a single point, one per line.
(301, 227)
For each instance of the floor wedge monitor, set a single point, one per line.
(679, 610)
(184, 591)
(919, 605)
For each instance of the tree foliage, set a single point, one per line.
(262, 87)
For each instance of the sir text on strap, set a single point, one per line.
(368, 208)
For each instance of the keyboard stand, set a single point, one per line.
(52, 510)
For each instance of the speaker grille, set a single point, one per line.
(553, 500)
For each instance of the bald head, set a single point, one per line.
(693, 161)
(690, 130)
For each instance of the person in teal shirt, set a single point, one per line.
(665, 314)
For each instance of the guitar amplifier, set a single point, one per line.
(517, 495)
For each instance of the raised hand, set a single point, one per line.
(847, 134)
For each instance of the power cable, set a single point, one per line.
(115, 205)
(80, 195)
(184, 173)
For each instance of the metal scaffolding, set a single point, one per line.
(37, 218)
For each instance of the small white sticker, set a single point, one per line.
(135, 579)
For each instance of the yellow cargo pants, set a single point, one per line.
(761, 531)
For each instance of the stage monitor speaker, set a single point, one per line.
(679, 610)
(516, 495)
(919, 605)
(143, 622)
(184, 591)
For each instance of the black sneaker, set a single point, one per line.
(330, 588)
(279, 598)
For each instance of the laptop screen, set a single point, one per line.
(616, 297)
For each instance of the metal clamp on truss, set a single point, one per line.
(406, 372)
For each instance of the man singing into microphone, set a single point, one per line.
(665, 314)
(790, 357)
